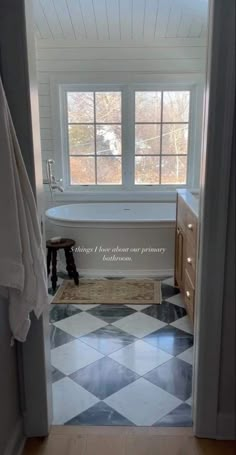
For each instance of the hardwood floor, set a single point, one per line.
(73, 440)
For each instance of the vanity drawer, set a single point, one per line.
(189, 296)
(181, 212)
(190, 263)
(191, 228)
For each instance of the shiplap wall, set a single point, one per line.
(127, 61)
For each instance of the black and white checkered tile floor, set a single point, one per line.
(122, 364)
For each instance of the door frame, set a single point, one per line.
(213, 211)
(214, 200)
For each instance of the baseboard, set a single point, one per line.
(226, 426)
(126, 273)
(17, 440)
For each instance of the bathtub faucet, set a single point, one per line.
(54, 184)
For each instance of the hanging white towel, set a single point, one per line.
(22, 261)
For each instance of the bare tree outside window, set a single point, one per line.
(95, 137)
(161, 134)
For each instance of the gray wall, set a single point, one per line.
(10, 419)
(227, 391)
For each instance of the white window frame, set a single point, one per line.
(128, 190)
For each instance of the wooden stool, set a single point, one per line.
(66, 245)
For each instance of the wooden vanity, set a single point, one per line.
(186, 247)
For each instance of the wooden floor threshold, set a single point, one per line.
(76, 440)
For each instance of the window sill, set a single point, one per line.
(115, 196)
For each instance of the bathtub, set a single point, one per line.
(117, 239)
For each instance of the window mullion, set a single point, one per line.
(128, 137)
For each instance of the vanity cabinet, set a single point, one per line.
(186, 248)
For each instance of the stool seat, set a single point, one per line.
(63, 243)
(53, 247)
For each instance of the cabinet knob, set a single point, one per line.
(188, 295)
(190, 226)
(189, 261)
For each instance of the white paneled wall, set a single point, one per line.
(126, 62)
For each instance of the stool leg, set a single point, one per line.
(54, 270)
(71, 265)
(68, 265)
(49, 255)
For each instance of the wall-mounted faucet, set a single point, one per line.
(53, 183)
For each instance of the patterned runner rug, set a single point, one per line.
(109, 292)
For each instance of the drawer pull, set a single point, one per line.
(188, 295)
(190, 226)
(189, 261)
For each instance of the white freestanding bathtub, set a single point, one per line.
(116, 239)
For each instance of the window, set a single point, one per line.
(127, 138)
(94, 137)
(161, 137)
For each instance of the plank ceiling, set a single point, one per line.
(123, 20)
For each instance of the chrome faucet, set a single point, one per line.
(54, 184)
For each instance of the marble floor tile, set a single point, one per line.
(174, 376)
(56, 375)
(179, 417)
(69, 400)
(189, 401)
(100, 415)
(166, 312)
(111, 313)
(137, 307)
(58, 337)
(85, 306)
(104, 377)
(72, 356)
(170, 339)
(139, 324)
(140, 357)
(142, 402)
(108, 339)
(184, 324)
(80, 324)
(169, 281)
(62, 311)
(168, 291)
(177, 300)
(187, 356)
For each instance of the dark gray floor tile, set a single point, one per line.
(104, 377)
(100, 415)
(168, 291)
(179, 417)
(56, 375)
(170, 339)
(174, 376)
(58, 337)
(62, 311)
(111, 313)
(166, 312)
(108, 339)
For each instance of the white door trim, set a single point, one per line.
(214, 197)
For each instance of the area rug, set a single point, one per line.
(138, 292)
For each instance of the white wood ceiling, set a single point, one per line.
(123, 20)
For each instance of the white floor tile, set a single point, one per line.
(80, 324)
(187, 356)
(140, 357)
(86, 306)
(138, 307)
(183, 324)
(177, 300)
(142, 402)
(72, 356)
(169, 281)
(139, 324)
(189, 401)
(69, 400)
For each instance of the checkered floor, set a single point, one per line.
(122, 364)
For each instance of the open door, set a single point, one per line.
(19, 78)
